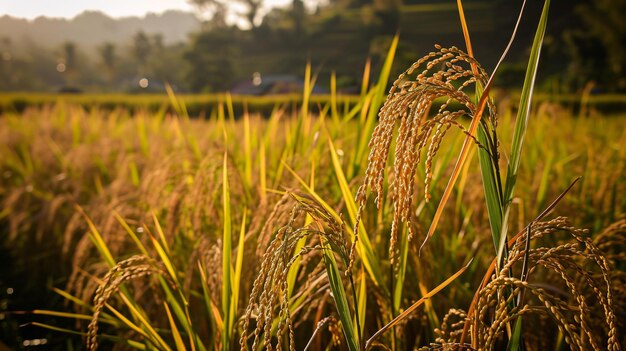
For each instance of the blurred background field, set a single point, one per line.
(214, 45)
(115, 165)
(203, 105)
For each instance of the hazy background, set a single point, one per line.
(219, 45)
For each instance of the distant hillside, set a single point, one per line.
(91, 28)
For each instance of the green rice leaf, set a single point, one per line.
(339, 296)
(226, 259)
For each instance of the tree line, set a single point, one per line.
(583, 44)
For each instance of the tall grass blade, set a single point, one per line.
(490, 187)
(339, 296)
(169, 266)
(362, 304)
(399, 278)
(178, 340)
(144, 328)
(295, 267)
(236, 283)
(65, 315)
(306, 94)
(97, 239)
(179, 105)
(380, 91)
(523, 115)
(333, 98)
(364, 246)
(365, 81)
(229, 107)
(131, 233)
(226, 258)
(215, 319)
(262, 171)
(247, 148)
(521, 124)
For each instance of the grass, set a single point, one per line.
(205, 104)
(238, 229)
(158, 103)
(47, 170)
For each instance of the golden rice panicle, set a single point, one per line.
(583, 272)
(132, 268)
(450, 330)
(612, 242)
(208, 256)
(270, 288)
(445, 73)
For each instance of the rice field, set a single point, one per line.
(427, 217)
(137, 209)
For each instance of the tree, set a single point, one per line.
(253, 7)
(70, 62)
(6, 44)
(218, 10)
(211, 69)
(6, 58)
(157, 42)
(298, 16)
(605, 24)
(388, 13)
(108, 58)
(142, 48)
(69, 55)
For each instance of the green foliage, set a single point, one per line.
(212, 69)
(583, 45)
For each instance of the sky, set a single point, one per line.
(115, 8)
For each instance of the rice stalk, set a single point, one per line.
(579, 276)
(132, 268)
(270, 289)
(443, 74)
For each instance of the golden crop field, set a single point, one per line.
(429, 217)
